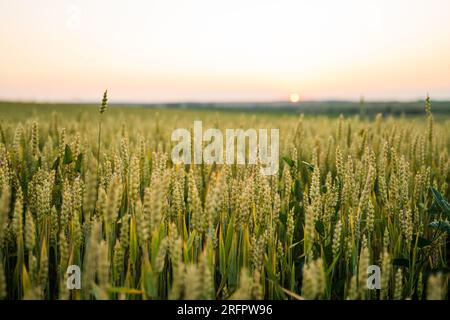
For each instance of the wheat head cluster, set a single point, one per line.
(98, 190)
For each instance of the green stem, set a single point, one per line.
(99, 136)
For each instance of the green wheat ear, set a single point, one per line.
(104, 102)
(101, 110)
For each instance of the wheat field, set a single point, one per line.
(95, 188)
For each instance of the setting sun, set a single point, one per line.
(294, 97)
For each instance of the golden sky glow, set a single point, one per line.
(233, 50)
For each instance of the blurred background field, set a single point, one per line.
(15, 110)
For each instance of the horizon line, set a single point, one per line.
(229, 102)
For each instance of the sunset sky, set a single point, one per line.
(228, 50)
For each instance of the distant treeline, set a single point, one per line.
(323, 107)
(309, 107)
